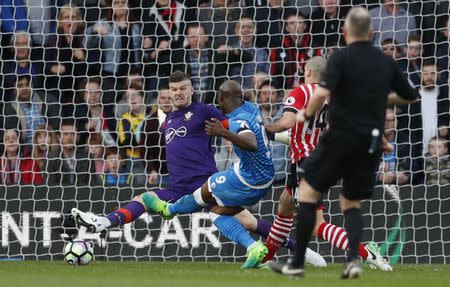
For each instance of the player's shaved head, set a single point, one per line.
(230, 95)
(231, 89)
(358, 23)
(316, 64)
(314, 69)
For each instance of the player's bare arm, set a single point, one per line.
(283, 124)
(244, 140)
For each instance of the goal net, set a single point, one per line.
(84, 92)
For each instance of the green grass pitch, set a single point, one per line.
(195, 274)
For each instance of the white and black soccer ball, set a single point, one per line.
(78, 252)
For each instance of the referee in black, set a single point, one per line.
(360, 81)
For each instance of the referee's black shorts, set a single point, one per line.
(342, 154)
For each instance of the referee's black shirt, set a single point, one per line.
(360, 77)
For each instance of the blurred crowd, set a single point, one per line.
(84, 84)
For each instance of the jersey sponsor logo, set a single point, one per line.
(171, 133)
(290, 101)
(188, 116)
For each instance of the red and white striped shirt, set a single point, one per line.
(304, 136)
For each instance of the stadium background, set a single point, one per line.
(410, 218)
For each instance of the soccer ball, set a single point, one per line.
(78, 252)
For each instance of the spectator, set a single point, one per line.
(92, 115)
(137, 81)
(13, 18)
(29, 107)
(307, 7)
(327, 22)
(44, 142)
(68, 165)
(411, 64)
(130, 132)
(134, 80)
(395, 166)
(16, 166)
(430, 17)
(270, 100)
(220, 17)
(430, 115)
(268, 15)
(245, 31)
(65, 55)
(164, 30)
(165, 25)
(41, 16)
(208, 68)
(115, 173)
(23, 62)
(391, 20)
(115, 42)
(437, 162)
(257, 79)
(426, 118)
(97, 152)
(154, 140)
(443, 54)
(94, 9)
(391, 48)
(198, 60)
(288, 61)
(34, 16)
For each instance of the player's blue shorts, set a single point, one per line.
(228, 190)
